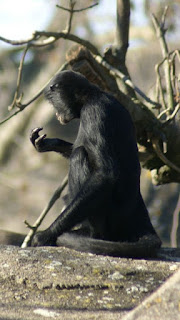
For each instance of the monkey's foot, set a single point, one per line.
(43, 238)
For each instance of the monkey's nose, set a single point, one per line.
(52, 87)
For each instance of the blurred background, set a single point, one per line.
(28, 179)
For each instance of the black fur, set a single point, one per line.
(104, 174)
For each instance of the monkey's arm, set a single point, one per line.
(43, 144)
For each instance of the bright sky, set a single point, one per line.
(19, 18)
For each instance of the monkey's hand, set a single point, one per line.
(43, 238)
(39, 142)
(43, 144)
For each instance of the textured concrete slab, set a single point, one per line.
(41, 283)
(163, 304)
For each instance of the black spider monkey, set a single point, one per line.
(104, 173)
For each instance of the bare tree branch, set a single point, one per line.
(158, 151)
(71, 12)
(116, 73)
(122, 28)
(51, 37)
(159, 86)
(11, 116)
(17, 98)
(40, 92)
(160, 31)
(77, 10)
(18, 42)
(172, 115)
(38, 222)
(55, 36)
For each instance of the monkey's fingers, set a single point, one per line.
(40, 143)
(34, 135)
(39, 139)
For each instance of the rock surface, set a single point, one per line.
(57, 283)
(163, 304)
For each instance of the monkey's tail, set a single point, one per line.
(146, 246)
(11, 238)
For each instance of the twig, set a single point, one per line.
(161, 114)
(171, 53)
(160, 31)
(122, 29)
(64, 35)
(19, 42)
(77, 10)
(52, 37)
(160, 85)
(115, 72)
(157, 149)
(173, 71)
(38, 222)
(178, 54)
(17, 99)
(11, 116)
(175, 225)
(23, 106)
(171, 117)
(71, 12)
(163, 18)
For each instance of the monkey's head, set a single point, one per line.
(67, 92)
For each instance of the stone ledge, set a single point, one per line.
(41, 283)
(163, 304)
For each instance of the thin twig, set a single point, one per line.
(157, 149)
(64, 35)
(71, 12)
(172, 115)
(11, 116)
(160, 31)
(24, 105)
(175, 224)
(163, 19)
(161, 114)
(77, 10)
(51, 38)
(115, 72)
(17, 99)
(160, 85)
(173, 71)
(157, 91)
(43, 214)
(18, 42)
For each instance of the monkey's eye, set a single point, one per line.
(54, 86)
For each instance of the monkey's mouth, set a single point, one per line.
(61, 119)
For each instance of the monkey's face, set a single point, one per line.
(66, 93)
(60, 99)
